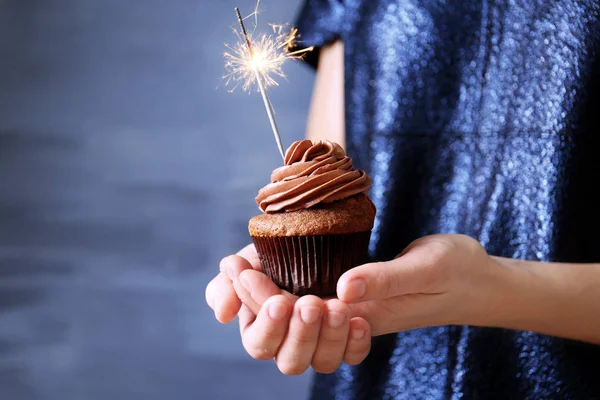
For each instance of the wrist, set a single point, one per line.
(509, 295)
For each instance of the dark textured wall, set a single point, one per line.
(126, 172)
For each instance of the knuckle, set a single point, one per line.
(269, 338)
(290, 368)
(384, 281)
(259, 348)
(333, 339)
(258, 352)
(355, 358)
(265, 355)
(325, 366)
(436, 263)
(437, 252)
(302, 338)
(358, 353)
(223, 263)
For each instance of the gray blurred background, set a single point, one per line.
(127, 170)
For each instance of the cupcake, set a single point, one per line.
(316, 221)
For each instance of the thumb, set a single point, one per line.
(377, 281)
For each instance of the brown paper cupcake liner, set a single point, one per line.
(311, 264)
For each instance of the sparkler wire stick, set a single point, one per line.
(262, 88)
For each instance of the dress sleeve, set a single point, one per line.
(320, 22)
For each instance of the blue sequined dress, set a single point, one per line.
(475, 117)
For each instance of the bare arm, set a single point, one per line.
(326, 117)
(552, 298)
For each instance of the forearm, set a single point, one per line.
(326, 117)
(556, 299)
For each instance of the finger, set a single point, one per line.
(263, 336)
(233, 266)
(405, 275)
(245, 297)
(359, 342)
(296, 352)
(250, 254)
(222, 298)
(254, 288)
(332, 338)
(245, 317)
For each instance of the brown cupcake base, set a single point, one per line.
(311, 264)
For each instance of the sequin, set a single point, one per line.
(478, 117)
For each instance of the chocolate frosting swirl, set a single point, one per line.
(314, 172)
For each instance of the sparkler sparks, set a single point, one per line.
(261, 61)
(269, 54)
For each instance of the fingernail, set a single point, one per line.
(277, 311)
(336, 319)
(310, 315)
(356, 289)
(358, 334)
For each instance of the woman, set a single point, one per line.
(476, 118)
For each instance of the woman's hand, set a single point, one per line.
(298, 333)
(437, 280)
(450, 280)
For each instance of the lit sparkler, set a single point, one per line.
(261, 61)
